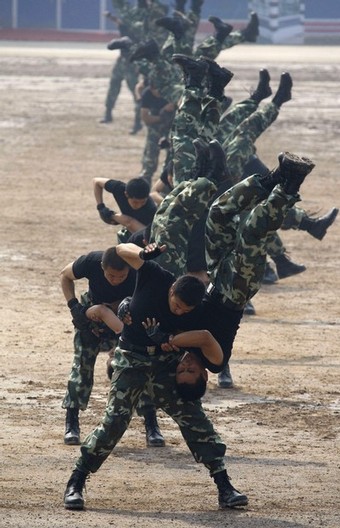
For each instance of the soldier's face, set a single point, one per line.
(136, 203)
(189, 369)
(177, 306)
(115, 277)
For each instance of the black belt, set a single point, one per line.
(135, 348)
(218, 297)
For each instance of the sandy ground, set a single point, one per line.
(280, 422)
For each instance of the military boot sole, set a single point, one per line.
(295, 165)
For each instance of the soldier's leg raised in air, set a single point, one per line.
(240, 144)
(238, 270)
(174, 219)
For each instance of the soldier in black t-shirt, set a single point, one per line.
(110, 279)
(137, 208)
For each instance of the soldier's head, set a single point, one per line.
(114, 267)
(137, 192)
(191, 377)
(185, 294)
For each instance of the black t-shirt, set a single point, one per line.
(222, 323)
(150, 299)
(101, 291)
(151, 102)
(144, 215)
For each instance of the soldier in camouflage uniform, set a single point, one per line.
(134, 23)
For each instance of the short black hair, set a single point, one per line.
(189, 289)
(110, 259)
(192, 391)
(137, 188)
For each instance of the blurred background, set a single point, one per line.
(281, 21)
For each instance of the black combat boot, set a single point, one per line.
(218, 170)
(196, 6)
(180, 5)
(224, 378)
(293, 169)
(176, 25)
(251, 31)
(269, 276)
(194, 70)
(123, 43)
(147, 50)
(249, 309)
(263, 89)
(154, 437)
(218, 78)
(72, 431)
(284, 91)
(222, 29)
(286, 268)
(73, 497)
(201, 166)
(228, 496)
(107, 117)
(317, 227)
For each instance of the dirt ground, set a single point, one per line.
(280, 422)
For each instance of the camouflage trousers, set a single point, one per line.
(166, 77)
(236, 252)
(174, 219)
(122, 70)
(151, 149)
(81, 377)
(210, 47)
(294, 218)
(197, 116)
(239, 146)
(234, 117)
(132, 373)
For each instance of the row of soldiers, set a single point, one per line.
(233, 128)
